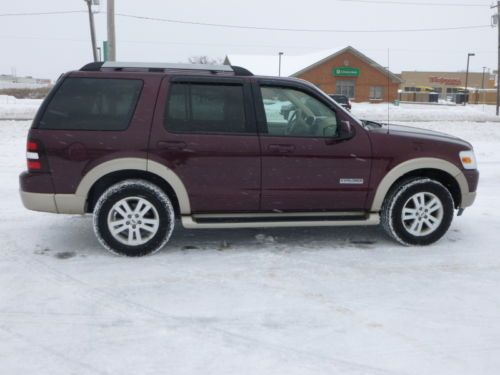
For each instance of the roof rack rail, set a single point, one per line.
(162, 67)
(92, 67)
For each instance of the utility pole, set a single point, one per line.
(92, 29)
(498, 62)
(111, 31)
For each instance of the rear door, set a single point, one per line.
(304, 166)
(204, 130)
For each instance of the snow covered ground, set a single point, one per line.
(280, 301)
(12, 108)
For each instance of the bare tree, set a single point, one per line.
(202, 59)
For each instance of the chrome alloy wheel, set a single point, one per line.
(133, 221)
(422, 214)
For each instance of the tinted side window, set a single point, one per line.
(92, 104)
(205, 108)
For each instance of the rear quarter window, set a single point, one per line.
(92, 104)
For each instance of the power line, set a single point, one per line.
(286, 46)
(41, 13)
(247, 27)
(413, 3)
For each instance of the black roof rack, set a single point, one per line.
(163, 67)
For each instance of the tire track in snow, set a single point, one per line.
(47, 349)
(244, 341)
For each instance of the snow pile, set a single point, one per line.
(21, 85)
(424, 113)
(18, 109)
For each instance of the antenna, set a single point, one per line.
(388, 93)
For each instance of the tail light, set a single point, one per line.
(33, 156)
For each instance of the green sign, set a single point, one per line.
(345, 71)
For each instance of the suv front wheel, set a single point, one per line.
(133, 218)
(418, 211)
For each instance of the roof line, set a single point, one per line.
(356, 52)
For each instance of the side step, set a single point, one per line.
(275, 220)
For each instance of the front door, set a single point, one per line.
(304, 166)
(204, 131)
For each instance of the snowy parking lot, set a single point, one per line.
(274, 301)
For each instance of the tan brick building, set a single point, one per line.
(346, 71)
(446, 84)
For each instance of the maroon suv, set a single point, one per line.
(139, 145)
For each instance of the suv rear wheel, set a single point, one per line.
(133, 218)
(418, 212)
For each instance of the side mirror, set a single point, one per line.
(342, 132)
(346, 131)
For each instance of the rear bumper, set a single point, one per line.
(37, 194)
(56, 203)
(39, 201)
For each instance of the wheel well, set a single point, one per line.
(112, 178)
(435, 174)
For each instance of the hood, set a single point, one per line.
(423, 134)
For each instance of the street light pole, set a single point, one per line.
(467, 78)
(92, 29)
(279, 63)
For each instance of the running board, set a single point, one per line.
(275, 220)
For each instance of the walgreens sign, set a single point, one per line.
(445, 81)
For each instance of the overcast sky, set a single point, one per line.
(47, 45)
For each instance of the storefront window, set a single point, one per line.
(376, 92)
(345, 87)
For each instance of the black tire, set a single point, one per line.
(401, 197)
(159, 211)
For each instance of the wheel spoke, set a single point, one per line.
(149, 221)
(121, 211)
(434, 205)
(413, 226)
(138, 235)
(148, 228)
(118, 229)
(419, 226)
(409, 213)
(142, 207)
(416, 201)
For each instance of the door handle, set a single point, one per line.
(284, 149)
(172, 145)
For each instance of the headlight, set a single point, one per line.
(468, 159)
